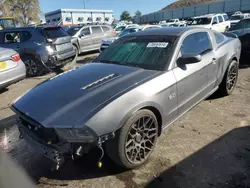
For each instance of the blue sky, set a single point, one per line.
(145, 6)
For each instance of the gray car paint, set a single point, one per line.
(36, 46)
(171, 92)
(89, 86)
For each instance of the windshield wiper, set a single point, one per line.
(109, 62)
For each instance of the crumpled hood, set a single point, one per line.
(63, 100)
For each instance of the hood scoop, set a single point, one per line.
(100, 81)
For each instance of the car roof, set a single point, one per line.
(27, 28)
(167, 31)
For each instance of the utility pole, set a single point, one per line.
(84, 3)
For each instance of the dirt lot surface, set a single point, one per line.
(209, 147)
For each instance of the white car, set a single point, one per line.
(236, 17)
(107, 42)
(217, 22)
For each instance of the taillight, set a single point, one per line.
(114, 31)
(15, 57)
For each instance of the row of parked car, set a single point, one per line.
(45, 48)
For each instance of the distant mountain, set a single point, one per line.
(184, 3)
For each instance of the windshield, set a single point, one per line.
(243, 24)
(126, 32)
(144, 52)
(73, 30)
(120, 28)
(170, 20)
(5, 23)
(201, 21)
(237, 17)
(54, 32)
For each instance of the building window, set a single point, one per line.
(89, 19)
(107, 19)
(80, 19)
(68, 19)
(98, 19)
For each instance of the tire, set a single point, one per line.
(230, 79)
(33, 66)
(77, 53)
(135, 135)
(226, 29)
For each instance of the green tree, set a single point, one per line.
(24, 11)
(138, 13)
(125, 16)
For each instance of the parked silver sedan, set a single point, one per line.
(12, 69)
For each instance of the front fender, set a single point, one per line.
(113, 116)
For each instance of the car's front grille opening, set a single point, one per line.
(46, 134)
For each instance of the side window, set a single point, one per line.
(243, 24)
(85, 31)
(12, 37)
(215, 20)
(68, 19)
(105, 28)
(200, 43)
(96, 30)
(225, 17)
(219, 38)
(220, 19)
(25, 36)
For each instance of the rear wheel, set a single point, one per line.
(230, 79)
(33, 66)
(135, 141)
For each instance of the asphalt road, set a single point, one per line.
(208, 147)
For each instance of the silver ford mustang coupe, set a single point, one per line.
(125, 98)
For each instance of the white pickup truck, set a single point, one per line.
(173, 22)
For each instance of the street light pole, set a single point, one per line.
(84, 4)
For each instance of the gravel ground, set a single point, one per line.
(208, 147)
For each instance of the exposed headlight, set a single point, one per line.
(77, 135)
(50, 49)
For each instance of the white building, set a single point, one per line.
(79, 16)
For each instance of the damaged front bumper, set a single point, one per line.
(54, 152)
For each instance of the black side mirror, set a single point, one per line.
(214, 23)
(81, 35)
(189, 59)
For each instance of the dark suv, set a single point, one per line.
(41, 48)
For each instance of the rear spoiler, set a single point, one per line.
(232, 35)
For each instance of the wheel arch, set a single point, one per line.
(158, 116)
(77, 47)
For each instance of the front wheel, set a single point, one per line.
(135, 141)
(230, 79)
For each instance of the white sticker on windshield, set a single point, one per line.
(157, 45)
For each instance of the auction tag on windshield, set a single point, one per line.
(157, 45)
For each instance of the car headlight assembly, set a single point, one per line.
(77, 135)
(50, 49)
